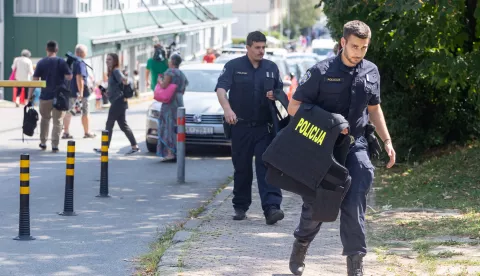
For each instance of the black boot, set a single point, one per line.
(355, 265)
(299, 251)
(273, 215)
(239, 214)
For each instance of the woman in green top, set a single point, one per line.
(157, 65)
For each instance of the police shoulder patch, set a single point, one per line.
(305, 77)
(223, 71)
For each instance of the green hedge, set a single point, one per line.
(429, 60)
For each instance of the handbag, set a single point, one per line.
(164, 95)
(12, 76)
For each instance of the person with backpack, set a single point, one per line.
(79, 93)
(118, 92)
(53, 98)
(156, 66)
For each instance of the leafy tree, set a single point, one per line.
(429, 60)
(302, 15)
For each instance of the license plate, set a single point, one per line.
(199, 130)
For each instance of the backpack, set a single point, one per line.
(61, 100)
(30, 118)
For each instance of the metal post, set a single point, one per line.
(69, 180)
(104, 166)
(24, 222)
(181, 145)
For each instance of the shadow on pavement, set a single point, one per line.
(108, 233)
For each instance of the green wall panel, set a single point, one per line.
(33, 33)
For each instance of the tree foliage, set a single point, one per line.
(302, 15)
(429, 60)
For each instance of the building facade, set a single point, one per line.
(262, 15)
(126, 27)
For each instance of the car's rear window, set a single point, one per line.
(201, 81)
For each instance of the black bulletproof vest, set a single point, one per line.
(308, 158)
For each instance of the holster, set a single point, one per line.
(374, 148)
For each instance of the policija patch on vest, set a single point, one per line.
(311, 131)
(305, 77)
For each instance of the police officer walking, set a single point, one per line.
(249, 120)
(346, 84)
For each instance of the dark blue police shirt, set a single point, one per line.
(53, 71)
(340, 89)
(79, 68)
(247, 94)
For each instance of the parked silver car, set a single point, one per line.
(203, 111)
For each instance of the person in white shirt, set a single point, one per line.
(24, 72)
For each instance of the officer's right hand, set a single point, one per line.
(345, 131)
(230, 116)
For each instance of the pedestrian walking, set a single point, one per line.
(349, 85)
(22, 70)
(54, 71)
(247, 111)
(119, 104)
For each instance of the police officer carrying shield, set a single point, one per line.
(249, 121)
(349, 85)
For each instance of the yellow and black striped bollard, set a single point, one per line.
(24, 222)
(104, 166)
(69, 181)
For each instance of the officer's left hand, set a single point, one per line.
(270, 95)
(391, 153)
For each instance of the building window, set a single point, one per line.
(26, 6)
(110, 5)
(68, 6)
(50, 6)
(84, 6)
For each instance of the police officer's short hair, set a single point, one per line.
(256, 36)
(356, 28)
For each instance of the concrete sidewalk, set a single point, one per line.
(12, 117)
(221, 246)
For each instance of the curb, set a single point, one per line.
(169, 263)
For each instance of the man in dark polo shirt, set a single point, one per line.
(54, 71)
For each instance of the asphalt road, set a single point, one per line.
(108, 233)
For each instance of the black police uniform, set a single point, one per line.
(337, 88)
(251, 135)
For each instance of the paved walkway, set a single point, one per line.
(11, 116)
(221, 246)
